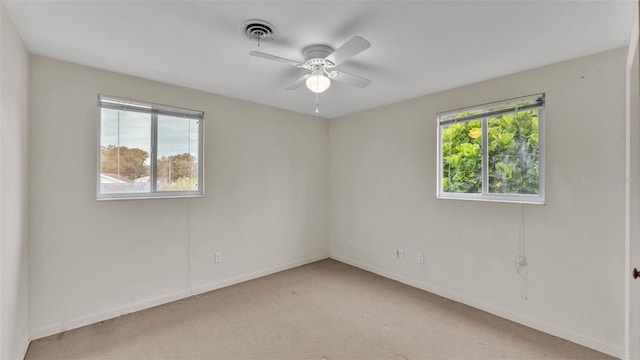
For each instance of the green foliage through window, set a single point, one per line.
(513, 154)
(462, 157)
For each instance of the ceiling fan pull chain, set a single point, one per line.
(317, 103)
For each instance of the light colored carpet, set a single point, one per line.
(324, 310)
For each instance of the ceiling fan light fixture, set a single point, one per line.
(321, 59)
(318, 83)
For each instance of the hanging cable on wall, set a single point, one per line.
(521, 258)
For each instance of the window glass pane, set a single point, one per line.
(177, 165)
(493, 152)
(514, 153)
(462, 157)
(125, 145)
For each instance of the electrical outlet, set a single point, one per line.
(399, 254)
(218, 257)
(420, 257)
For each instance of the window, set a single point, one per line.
(148, 151)
(493, 152)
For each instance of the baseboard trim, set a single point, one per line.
(108, 314)
(257, 274)
(572, 336)
(163, 299)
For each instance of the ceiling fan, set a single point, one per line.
(321, 60)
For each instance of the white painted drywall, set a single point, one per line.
(632, 226)
(268, 178)
(383, 197)
(265, 209)
(14, 127)
(634, 252)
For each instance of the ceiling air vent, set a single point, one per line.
(258, 30)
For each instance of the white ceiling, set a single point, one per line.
(417, 47)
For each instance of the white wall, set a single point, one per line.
(265, 209)
(270, 172)
(383, 197)
(632, 243)
(14, 79)
(634, 181)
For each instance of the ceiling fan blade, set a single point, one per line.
(351, 79)
(274, 58)
(351, 48)
(296, 84)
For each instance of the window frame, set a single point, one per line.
(154, 110)
(445, 118)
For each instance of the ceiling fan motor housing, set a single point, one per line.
(320, 60)
(315, 55)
